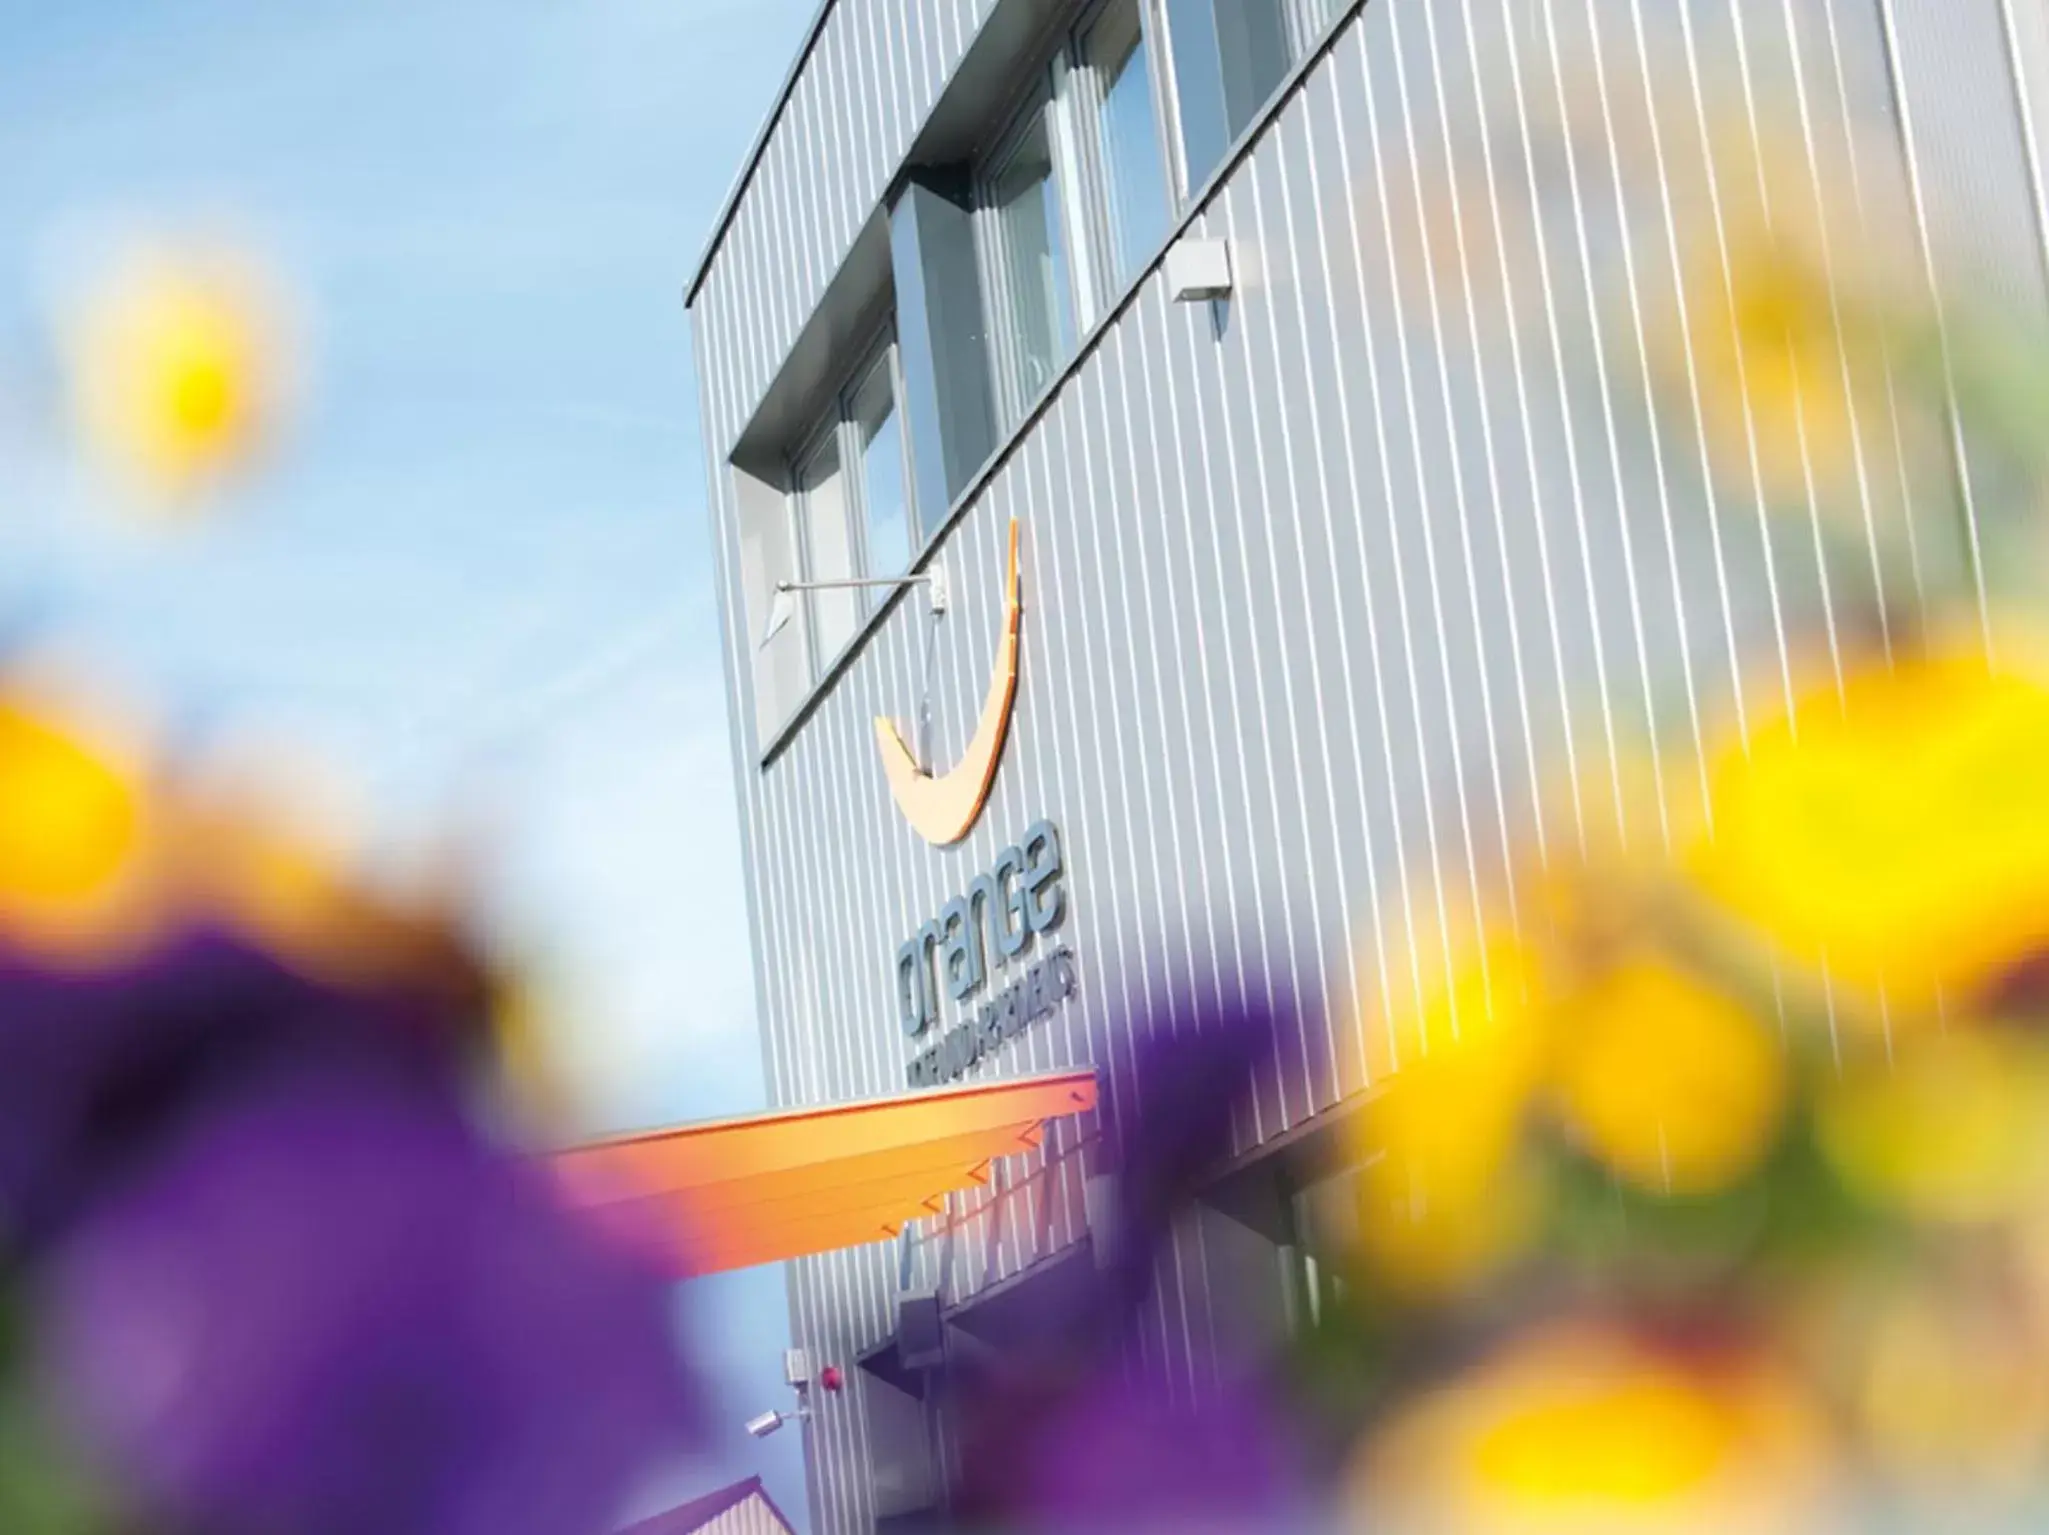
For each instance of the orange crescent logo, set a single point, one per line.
(943, 807)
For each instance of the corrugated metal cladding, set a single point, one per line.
(741, 1509)
(1317, 597)
(755, 1516)
(873, 73)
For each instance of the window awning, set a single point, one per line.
(732, 1193)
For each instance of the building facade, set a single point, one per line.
(1310, 363)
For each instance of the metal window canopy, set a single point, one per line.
(733, 1193)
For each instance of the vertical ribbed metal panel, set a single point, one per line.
(752, 1516)
(2026, 28)
(871, 79)
(1313, 597)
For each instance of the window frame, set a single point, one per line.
(837, 426)
(1062, 90)
(999, 283)
(825, 435)
(1091, 150)
(881, 356)
(1299, 44)
(1167, 104)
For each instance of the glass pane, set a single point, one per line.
(1024, 201)
(1198, 87)
(882, 478)
(1252, 44)
(1115, 50)
(1229, 58)
(835, 614)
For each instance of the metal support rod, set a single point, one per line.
(930, 660)
(784, 606)
(922, 578)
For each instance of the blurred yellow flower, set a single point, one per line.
(1769, 367)
(1585, 1428)
(75, 830)
(1676, 1087)
(1955, 1130)
(522, 1023)
(1442, 1196)
(1900, 839)
(175, 371)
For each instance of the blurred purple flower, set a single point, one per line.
(95, 1064)
(325, 1306)
(1119, 1452)
(1194, 1068)
(1066, 1433)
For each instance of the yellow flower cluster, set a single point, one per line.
(1849, 942)
(1711, 1173)
(75, 832)
(1882, 852)
(1674, 1085)
(1893, 839)
(1588, 1426)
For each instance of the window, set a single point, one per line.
(828, 544)
(848, 514)
(1276, 1226)
(853, 505)
(1230, 56)
(1073, 201)
(1323, 1220)
(885, 493)
(1030, 266)
(768, 554)
(1113, 52)
(1272, 1247)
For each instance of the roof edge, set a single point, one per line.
(701, 1510)
(752, 162)
(761, 1489)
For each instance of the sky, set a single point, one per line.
(472, 581)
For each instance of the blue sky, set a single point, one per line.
(476, 576)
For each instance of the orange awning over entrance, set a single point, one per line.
(736, 1192)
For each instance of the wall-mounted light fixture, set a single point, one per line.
(767, 1423)
(784, 607)
(1198, 270)
(797, 1376)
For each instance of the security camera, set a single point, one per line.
(766, 1424)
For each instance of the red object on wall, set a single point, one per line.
(830, 1377)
